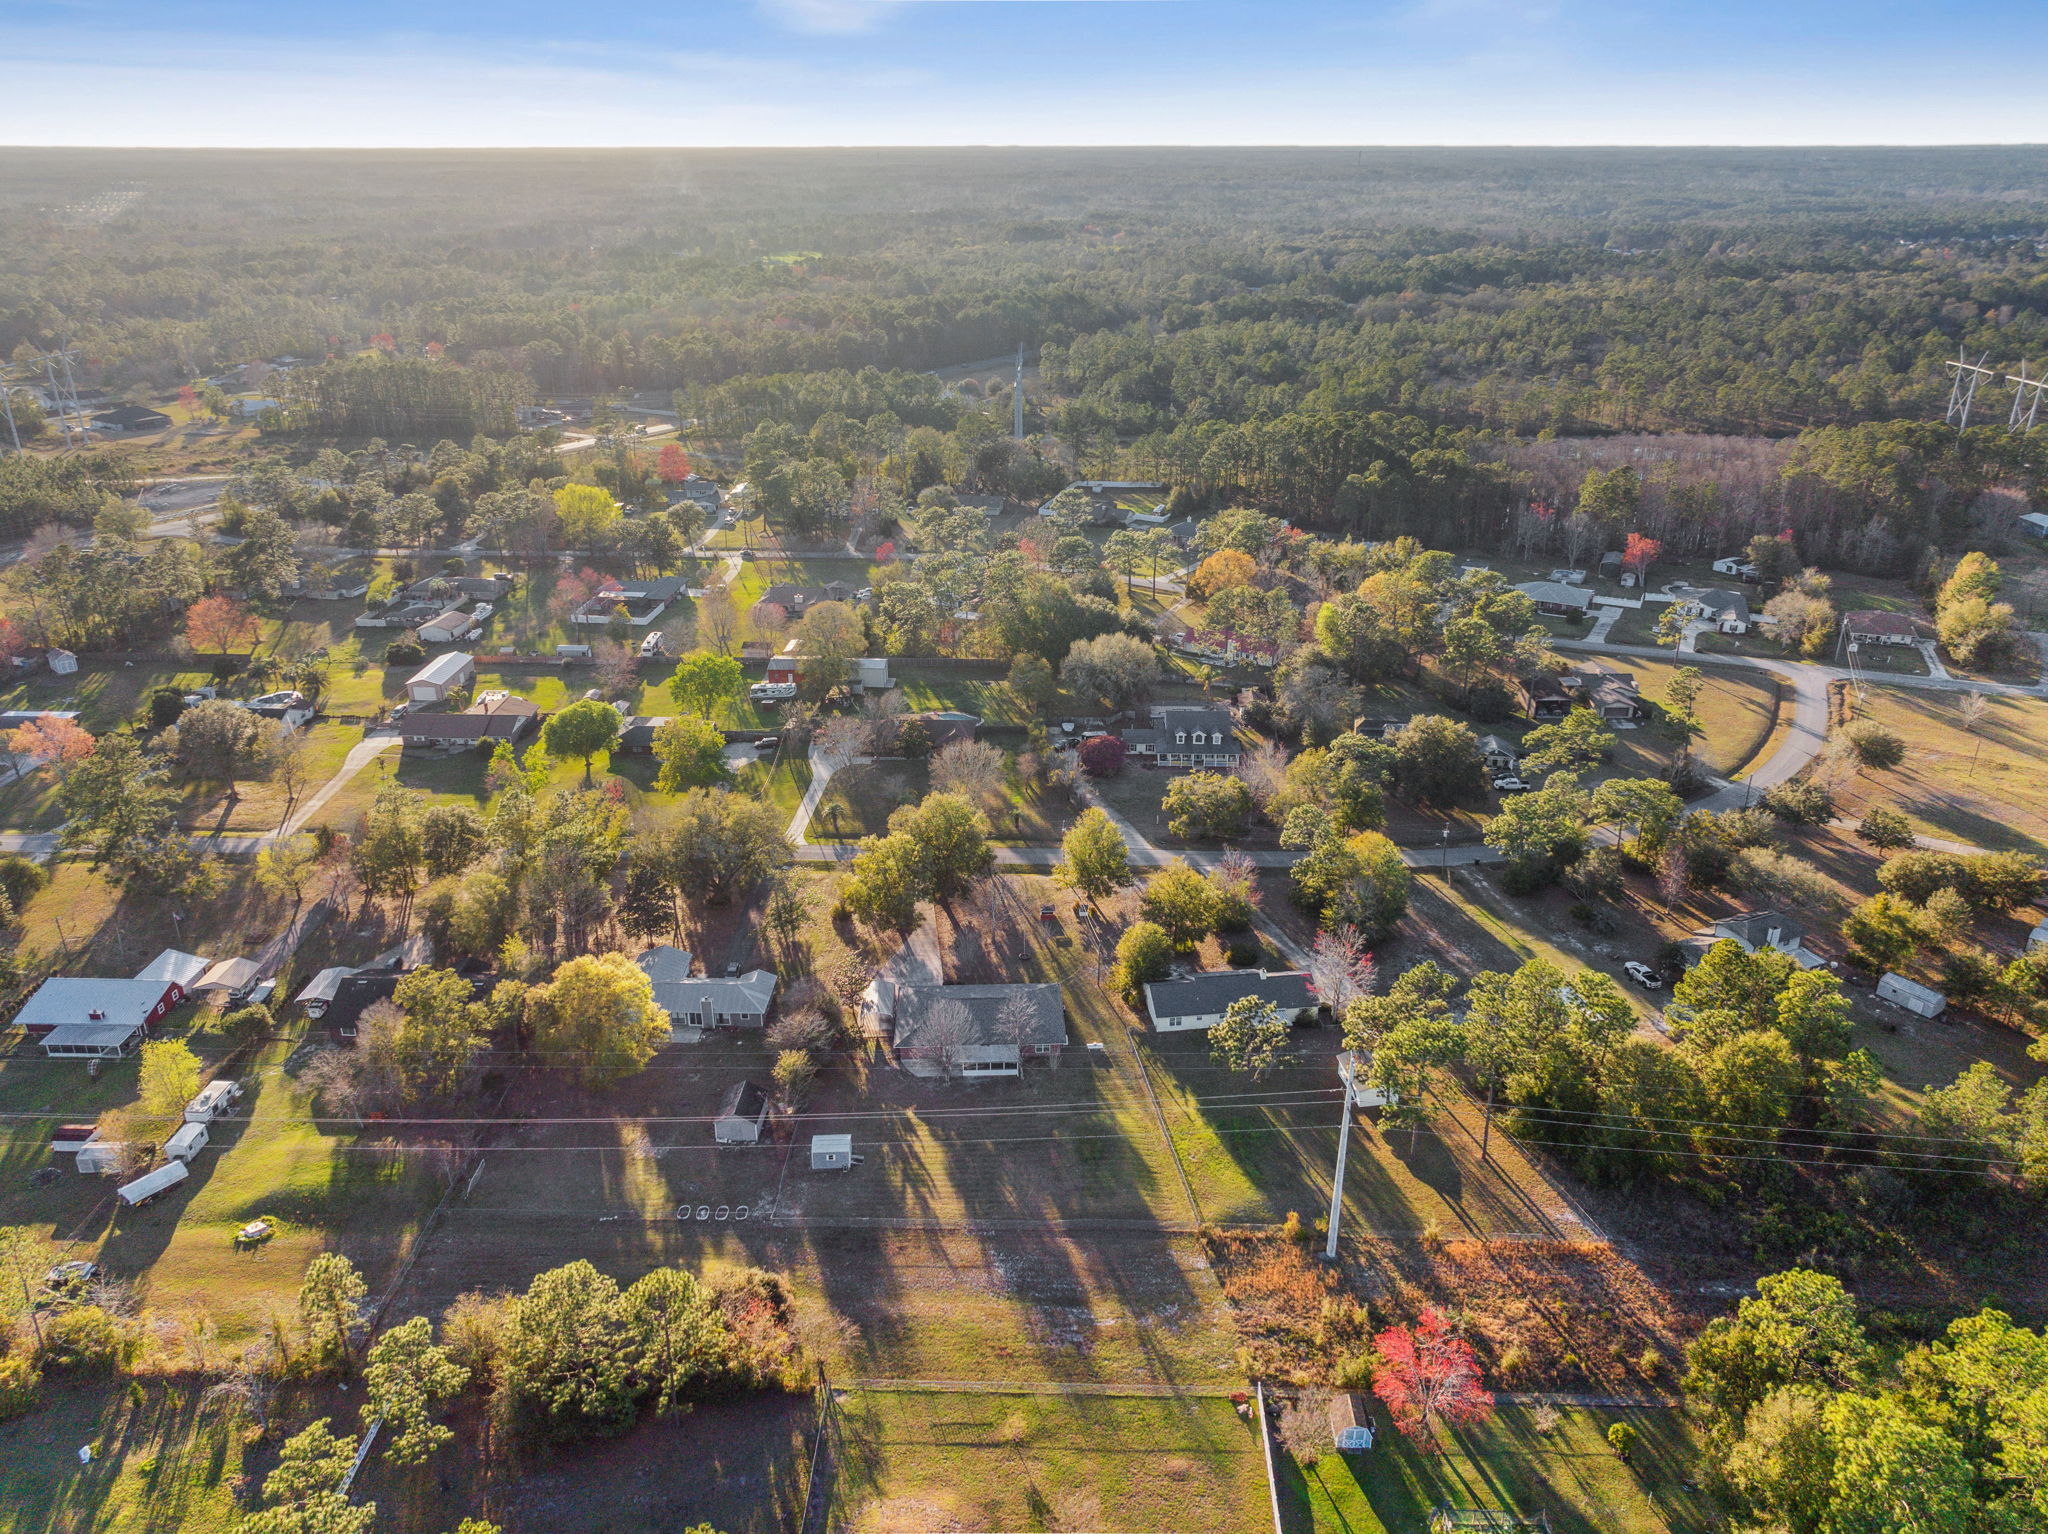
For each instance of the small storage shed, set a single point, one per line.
(440, 676)
(150, 1184)
(214, 1099)
(1350, 1421)
(188, 1142)
(1911, 995)
(741, 1115)
(102, 1156)
(70, 1139)
(62, 662)
(831, 1153)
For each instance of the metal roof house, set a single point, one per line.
(706, 1001)
(975, 1030)
(320, 990)
(440, 676)
(741, 1115)
(175, 968)
(1199, 1001)
(78, 1018)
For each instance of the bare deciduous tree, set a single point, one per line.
(973, 769)
(1340, 968)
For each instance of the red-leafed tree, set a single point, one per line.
(1639, 552)
(885, 552)
(1102, 756)
(13, 641)
(188, 396)
(434, 348)
(383, 342)
(672, 464)
(55, 743)
(1429, 1379)
(218, 624)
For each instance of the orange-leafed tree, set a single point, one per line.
(1639, 553)
(672, 464)
(217, 624)
(1429, 1379)
(1221, 571)
(58, 743)
(13, 641)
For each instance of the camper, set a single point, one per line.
(214, 1099)
(146, 1187)
(187, 1142)
(831, 1153)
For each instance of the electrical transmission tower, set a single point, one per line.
(1962, 390)
(2026, 400)
(60, 389)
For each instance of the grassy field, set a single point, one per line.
(159, 1463)
(1737, 712)
(1985, 787)
(908, 1462)
(1512, 1464)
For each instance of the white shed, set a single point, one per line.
(831, 1153)
(150, 1184)
(1911, 995)
(187, 1142)
(440, 676)
(101, 1156)
(214, 1099)
(62, 662)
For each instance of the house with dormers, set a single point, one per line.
(1186, 735)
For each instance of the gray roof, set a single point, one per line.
(1200, 995)
(681, 994)
(743, 1100)
(1555, 594)
(1722, 603)
(920, 1008)
(74, 999)
(325, 985)
(174, 967)
(1755, 928)
(90, 1035)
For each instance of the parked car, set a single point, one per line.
(1048, 912)
(768, 743)
(1510, 784)
(1642, 974)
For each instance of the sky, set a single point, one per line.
(375, 73)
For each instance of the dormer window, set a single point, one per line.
(1180, 737)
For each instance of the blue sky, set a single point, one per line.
(781, 72)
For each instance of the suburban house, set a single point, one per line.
(1557, 599)
(125, 420)
(1183, 532)
(798, 600)
(1545, 696)
(1613, 695)
(970, 1030)
(1199, 1001)
(869, 673)
(642, 601)
(1869, 626)
(741, 1115)
(447, 628)
(946, 726)
(440, 676)
(1499, 755)
(637, 732)
(706, 1001)
(1229, 647)
(75, 1017)
(1727, 611)
(354, 994)
(1186, 735)
(176, 969)
(1350, 1420)
(987, 505)
(1767, 929)
(493, 717)
(2032, 523)
(1737, 566)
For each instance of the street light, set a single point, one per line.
(1443, 861)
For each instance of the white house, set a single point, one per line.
(1871, 626)
(1556, 598)
(1187, 736)
(1911, 995)
(1737, 566)
(440, 676)
(1756, 930)
(706, 1001)
(1499, 755)
(447, 628)
(741, 1115)
(1727, 611)
(1200, 1001)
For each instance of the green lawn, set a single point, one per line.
(159, 1464)
(913, 1460)
(1569, 1473)
(1985, 787)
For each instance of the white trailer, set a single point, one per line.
(214, 1099)
(188, 1142)
(1911, 995)
(150, 1184)
(102, 1156)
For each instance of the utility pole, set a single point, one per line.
(1347, 1069)
(1017, 398)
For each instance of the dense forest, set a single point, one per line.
(1375, 342)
